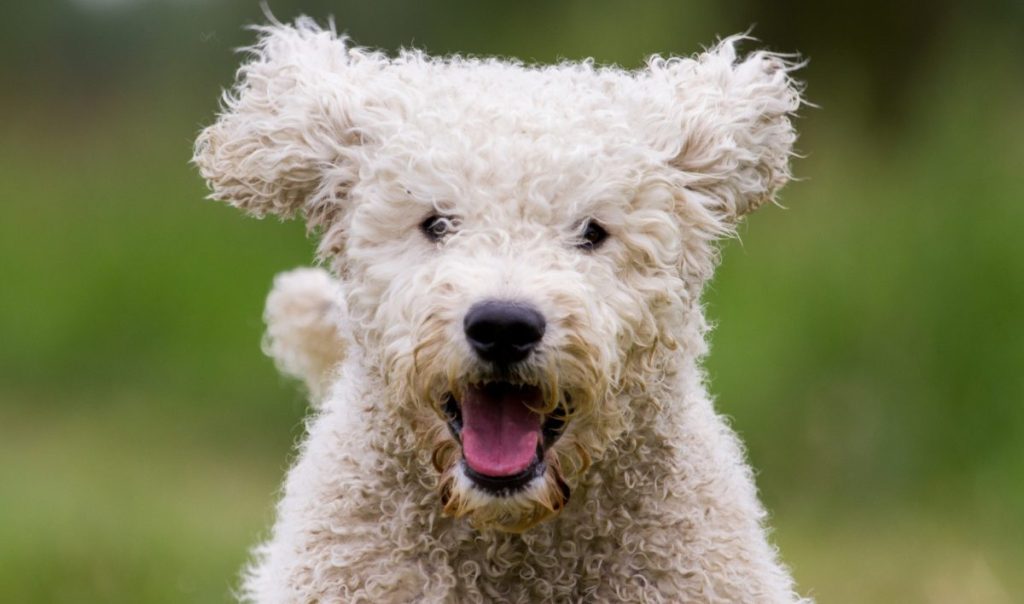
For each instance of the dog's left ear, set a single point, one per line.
(728, 131)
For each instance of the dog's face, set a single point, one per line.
(507, 287)
(522, 247)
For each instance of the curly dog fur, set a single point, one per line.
(595, 197)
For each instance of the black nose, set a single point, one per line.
(503, 332)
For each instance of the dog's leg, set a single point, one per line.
(304, 314)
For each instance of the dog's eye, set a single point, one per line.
(593, 236)
(435, 227)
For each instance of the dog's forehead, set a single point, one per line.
(496, 131)
(484, 102)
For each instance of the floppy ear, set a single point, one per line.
(287, 123)
(733, 136)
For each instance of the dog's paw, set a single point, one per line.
(304, 314)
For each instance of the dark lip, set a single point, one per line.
(506, 485)
(551, 430)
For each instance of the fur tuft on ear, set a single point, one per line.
(736, 137)
(285, 122)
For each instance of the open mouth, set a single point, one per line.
(503, 438)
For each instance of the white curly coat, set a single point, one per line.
(515, 159)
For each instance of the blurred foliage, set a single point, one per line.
(870, 337)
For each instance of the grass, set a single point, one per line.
(118, 503)
(899, 555)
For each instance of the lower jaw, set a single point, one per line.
(538, 498)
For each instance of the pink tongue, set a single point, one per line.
(499, 432)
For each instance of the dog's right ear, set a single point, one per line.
(285, 140)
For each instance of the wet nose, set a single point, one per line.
(503, 332)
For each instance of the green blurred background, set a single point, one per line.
(871, 335)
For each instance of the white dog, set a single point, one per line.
(509, 402)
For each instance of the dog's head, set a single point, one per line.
(522, 247)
